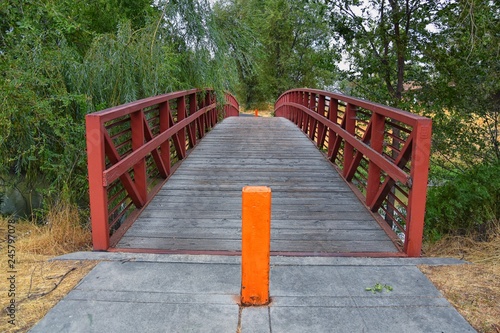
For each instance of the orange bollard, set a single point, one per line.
(256, 112)
(255, 245)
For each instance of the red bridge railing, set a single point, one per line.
(382, 152)
(133, 148)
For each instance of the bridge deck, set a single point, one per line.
(313, 210)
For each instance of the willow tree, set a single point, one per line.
(290, 46)
(60, 60)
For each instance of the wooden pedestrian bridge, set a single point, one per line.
(348, 176)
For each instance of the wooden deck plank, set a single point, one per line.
(207, 223)
(313, 210)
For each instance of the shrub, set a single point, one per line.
(466, 204)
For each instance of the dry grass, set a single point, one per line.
(40, 284)
(474, 289)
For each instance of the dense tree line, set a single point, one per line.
(60, 60)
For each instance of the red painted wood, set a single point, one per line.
(312, 121)
(100, 145)
(231, 107)
(332, 135)
(358, 155)
(97, 193)
(416, 149)
(181, 135)
(125, 109)
(387, 111)
(400, 161)
(350, 126)
(320, 142)
(156, 155)
(393, 170)
(192, 126)
(125, 178)
(140, 177)
(116, 170)
(165, 116)
(419, 173)
(377, 125)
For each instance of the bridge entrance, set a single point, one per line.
(164, 178)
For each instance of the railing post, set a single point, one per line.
(350, 126)
(181, 114)
(420, 157)
(297, 111)
(164, 113)
(192, 127)
(97, 192)
(332, 116)
(255, 245)
(305, 116)
(140, 177)
(213, 112)
(208, 118)
(312, 121)
(376, 143)
(289, 108)
(321, 127)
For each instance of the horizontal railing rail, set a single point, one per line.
(133, 148)
(382, 152)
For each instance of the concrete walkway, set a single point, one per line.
(178, 293)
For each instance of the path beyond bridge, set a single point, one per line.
(313, 210)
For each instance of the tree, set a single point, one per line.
(463, 94)
(383, 42)
(446, 54)
(290, 48)
(60, 60)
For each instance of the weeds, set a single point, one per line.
(41, 283)
(474, 289)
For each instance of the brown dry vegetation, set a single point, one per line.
(473, 289)
(40, 284)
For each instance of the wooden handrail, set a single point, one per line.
(133, 148)
(381, 151)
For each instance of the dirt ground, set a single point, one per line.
(38, 286)
(474, 288)
(31, 284)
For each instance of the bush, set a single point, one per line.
(467, 204)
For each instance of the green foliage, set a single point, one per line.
(60, 60)
(126, 66)
(463, 95)
(290, 47)
(438, 58)
(41, 121)
(378, 288)
(467, 203)
(383, 42)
